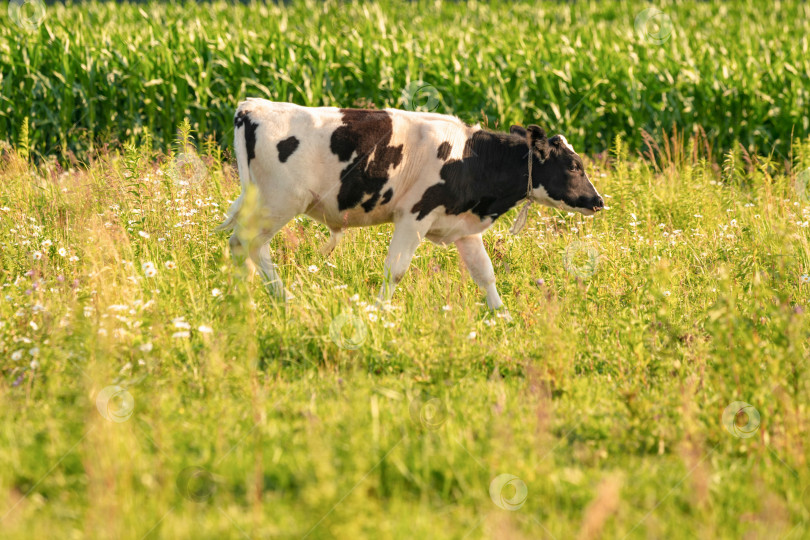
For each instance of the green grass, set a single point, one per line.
(604, 397)
(239, 416)
(94, 73)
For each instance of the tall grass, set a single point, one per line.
(245, 418)
(96, 72)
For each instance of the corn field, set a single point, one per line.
(94, 73)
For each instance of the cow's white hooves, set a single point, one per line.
(504, 314)
(283, 296)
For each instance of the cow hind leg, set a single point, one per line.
(474, 254)
(258, 251)
(238, 251)
(239, 254)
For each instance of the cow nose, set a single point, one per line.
(598, 204)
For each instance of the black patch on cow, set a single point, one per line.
(386, 198)
(239, 119)
(444, 151)
(489, 179)
(286, 148)
(491, 176)
(366, 135)
(242, 118)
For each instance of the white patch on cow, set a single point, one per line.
(541, 196)
(567, 144)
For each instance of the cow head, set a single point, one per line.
(558, 174)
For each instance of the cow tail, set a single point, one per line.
(240, 147)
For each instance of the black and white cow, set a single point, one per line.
(432, 175)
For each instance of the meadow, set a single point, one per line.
(653, 382)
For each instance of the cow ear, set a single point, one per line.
(518, 130)
(538, 140)
(536, 134)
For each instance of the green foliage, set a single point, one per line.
(97, 71)
(184, 141)
(23, 145)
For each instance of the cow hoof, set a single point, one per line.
(283, 295)
(503, 313)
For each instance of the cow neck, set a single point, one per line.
(523, 215)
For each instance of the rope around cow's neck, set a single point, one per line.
(523, 215)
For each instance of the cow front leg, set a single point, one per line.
(475, 257)
(407, 237)
(334, 237)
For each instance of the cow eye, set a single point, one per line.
(573, 167)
